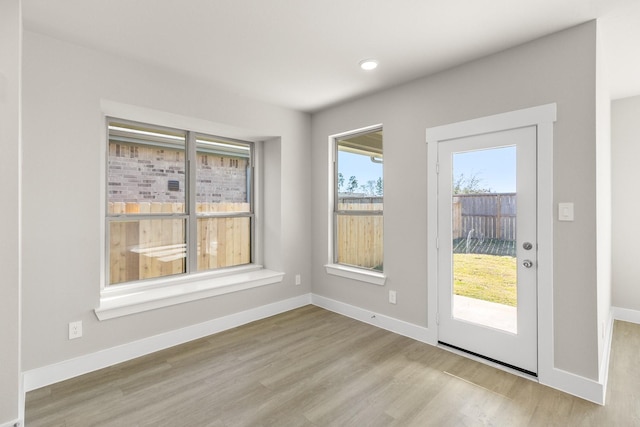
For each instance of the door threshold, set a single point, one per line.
(489, 361)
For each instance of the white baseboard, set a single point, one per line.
(626, 315)
(585, 388)
(606, 355)
(400, 327)
(46, 375)
(576, 385)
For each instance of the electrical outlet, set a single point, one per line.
(75, 329)
(298, 279)
(392, 297)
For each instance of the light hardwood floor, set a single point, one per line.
(312, 367)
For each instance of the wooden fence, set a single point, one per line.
(488, 216)
(147, 248)
(359, 237)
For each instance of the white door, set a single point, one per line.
(487, 281)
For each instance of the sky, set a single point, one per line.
(360, 166)
(496, 168)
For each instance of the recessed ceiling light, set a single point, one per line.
(369, 64)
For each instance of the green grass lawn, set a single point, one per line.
(485, 277)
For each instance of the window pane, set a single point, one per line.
(145, 249)
(484, 211)
(223, 242)
(144, 165)
(359, 240)
(360, 184)
(223, 180)
(360, 192)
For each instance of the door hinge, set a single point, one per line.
(437, 243)
(437, 168)
(437, 318)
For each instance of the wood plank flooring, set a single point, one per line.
(312, 367)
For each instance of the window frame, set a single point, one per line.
(190, 215)
(333, 267)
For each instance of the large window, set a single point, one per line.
(358, 204)
(178, 202)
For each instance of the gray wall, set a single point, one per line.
(625, 139)
(560, 68)
(63, 88)
(10, 29)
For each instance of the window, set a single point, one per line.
(178, 202)
(358, 201)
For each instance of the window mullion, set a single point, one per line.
(192, 221)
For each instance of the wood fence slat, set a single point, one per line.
(221, 239)
(145, 236)
(490, 216)
(117, 253)
(228, 238)
(203, 243)
(117, 248)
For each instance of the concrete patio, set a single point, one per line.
(491, 314)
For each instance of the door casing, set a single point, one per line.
(543, 117)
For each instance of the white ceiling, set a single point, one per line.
(304, 54)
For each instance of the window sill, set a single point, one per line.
(118, 302)
(362, 275)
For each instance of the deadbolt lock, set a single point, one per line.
(527, 246)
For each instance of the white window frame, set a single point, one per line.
(134, 297)
(190, 214)
(333, 267)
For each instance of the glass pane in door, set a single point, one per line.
(484, 237)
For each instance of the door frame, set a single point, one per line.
(543, 118)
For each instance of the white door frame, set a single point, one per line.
(543, 118)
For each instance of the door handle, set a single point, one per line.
(527, 263)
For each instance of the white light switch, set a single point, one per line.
(565, 211)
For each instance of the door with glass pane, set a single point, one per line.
(487, 248)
